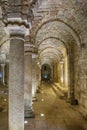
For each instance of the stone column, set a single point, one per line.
(66, 72)
(38, 78)
(34, 85)
(39, 83)
(7, 73)
(3, 63)
(51, 73)
(62, 72)
(16, 17)
(56, 72)
(3, 73)
(58, 69)
(16, 81)
(28, 83)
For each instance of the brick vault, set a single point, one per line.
(42, 41)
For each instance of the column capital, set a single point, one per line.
(16, 9)
(34, 56)
(61, 61)
(16, 30)
(28, 48)
(17, 16)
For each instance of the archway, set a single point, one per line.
(45, 73)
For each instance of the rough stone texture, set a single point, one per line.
(70, 27)
(28, 84)
(58, 27)
(81, 79)
(16, 85)
(34, 85)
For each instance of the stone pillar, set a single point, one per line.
(34, 85)
(3, 63)
(7, 73)
(66, 72)
(3, 73)
(16, 82)
(38, 78)
(62, 72)
(28, 83)
(56, 72)
(52, 73)
(16, 17)
(58, 69)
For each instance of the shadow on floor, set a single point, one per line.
(75, 127)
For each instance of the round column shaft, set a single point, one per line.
(34, 78)
(62, 72)
(28, 85)
(3, 73)
(16, 84)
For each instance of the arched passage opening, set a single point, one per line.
(45, 73)
(57, 42)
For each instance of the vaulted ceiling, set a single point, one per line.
(56, 24)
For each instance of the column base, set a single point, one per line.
(29, 114)
(34, 99)
(4, 84)
(68, 100)
(38, 90)
(74, 102)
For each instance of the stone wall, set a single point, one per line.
(80, 66)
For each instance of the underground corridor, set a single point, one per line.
(52, 108)
(43, 64)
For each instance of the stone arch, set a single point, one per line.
(70, 28)
(58, 39)
(56, 50)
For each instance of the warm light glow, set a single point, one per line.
(25, 122)
(38, 63)
(42, 100)
(5, 100)
(33, 89)
(42, 114)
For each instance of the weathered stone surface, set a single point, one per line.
(59, 30)
(16, 85)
